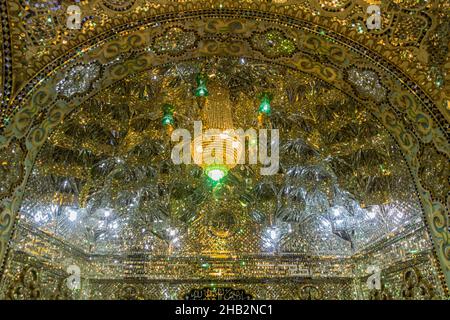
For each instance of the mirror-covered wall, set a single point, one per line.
(105, 195)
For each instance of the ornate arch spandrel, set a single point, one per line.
(400, 109)
(414, 35)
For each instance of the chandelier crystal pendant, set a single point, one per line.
(216, 172)
(265, 108)
(168, 119)
(202, 90)
(217, 150)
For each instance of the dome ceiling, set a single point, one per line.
(85, 169)
(105, 182)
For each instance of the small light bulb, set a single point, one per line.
(73, 215)
(216, 174)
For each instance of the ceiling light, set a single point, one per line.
(201, 90)
(216, 173)
(265, 107)
(72, 216)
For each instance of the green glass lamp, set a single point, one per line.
(264, 106)
(168, 120)
(216, 172)
(202, 90)
(168, 111)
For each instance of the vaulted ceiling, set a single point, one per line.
(342, 185)
(363, 118)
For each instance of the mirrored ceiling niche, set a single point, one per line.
(105, 193)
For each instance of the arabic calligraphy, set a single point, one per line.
(217, 294)
(292, 269)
